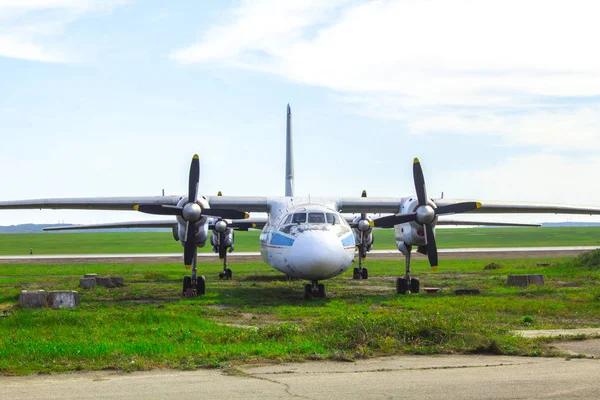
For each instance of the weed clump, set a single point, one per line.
(527, 320)
(492, 266)
(589, 260)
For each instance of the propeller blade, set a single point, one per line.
(225, 213)
(391, 220)
(419, 182)
(189, 249)
(158, 209)
(432, 252)
(363, 215)
(194, 178)
(458, 208)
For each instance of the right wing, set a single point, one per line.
(240, 225)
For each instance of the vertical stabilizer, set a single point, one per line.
(289, 156)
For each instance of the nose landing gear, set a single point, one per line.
(227, 272)
(194, 285)
(407, 283)
(361, 272)
(314, 289)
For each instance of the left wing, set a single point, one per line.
(391, 205)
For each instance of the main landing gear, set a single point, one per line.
(227, 272)
(407, 283)
(314, 289)
(361, 272)
(194, 285)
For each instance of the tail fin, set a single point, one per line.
(289, 156)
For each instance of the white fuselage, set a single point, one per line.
(309, 241)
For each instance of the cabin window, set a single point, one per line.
(299, 218)
(316, 218)
(332, 218)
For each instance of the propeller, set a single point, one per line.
(425, 214)
(191, 212)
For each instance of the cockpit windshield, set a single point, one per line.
(316, 218)
(299, 218)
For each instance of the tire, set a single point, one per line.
(228, 273)
(200, 285)
(401, 286)
(414, 285)
(321, 291)
(365, 273)
(308, 292)
(187, 284)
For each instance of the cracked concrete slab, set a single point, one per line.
(401, 377)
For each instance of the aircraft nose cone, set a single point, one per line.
(317, 254)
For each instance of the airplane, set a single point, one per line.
(312, 239)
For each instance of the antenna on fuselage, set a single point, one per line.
(289, 156)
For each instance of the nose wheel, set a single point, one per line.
(314, 289)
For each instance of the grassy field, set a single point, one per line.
(260, 315)
(162, 242)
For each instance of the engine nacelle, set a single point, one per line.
(201, 232)
(363, 233)
(224, 240)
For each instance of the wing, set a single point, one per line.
(242, 203)
(242, 225)
(481, 223)
(115, 225)
(391, 205)
(494, 207)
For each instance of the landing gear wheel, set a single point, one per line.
(308, 292)
(221, 275)
(187, 284)
(414, 285)
(228, 273)
(356, 274)
(365, 273)
(320, 291)
(200, 285)
(401, 285)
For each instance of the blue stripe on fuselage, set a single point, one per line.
(280, 240)
(348, 240)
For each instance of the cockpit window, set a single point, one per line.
(316, 218)
(332, 218)
(287, 220)
(299, 218)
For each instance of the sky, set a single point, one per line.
(499, 100)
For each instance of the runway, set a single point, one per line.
(160, 258)
(398, 377)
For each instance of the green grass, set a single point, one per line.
(260, 315)
(162, 242)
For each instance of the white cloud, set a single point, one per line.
(23, 36)
(485, 67)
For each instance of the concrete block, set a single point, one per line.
(518, 280)
(536, 279)
(525, 280)
(87, 283)
(117, 281)
(90, 276)
(32, 299)
(104, 282)
(63, 299)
